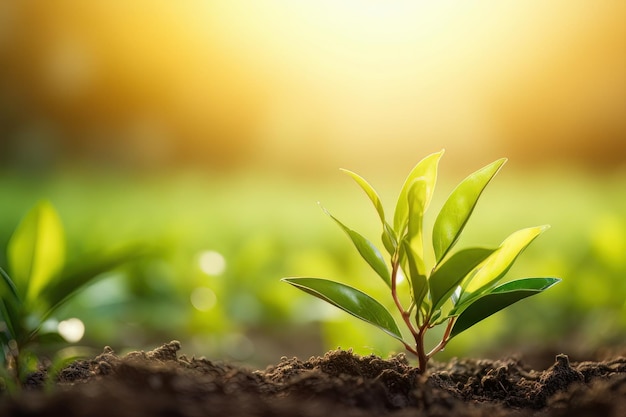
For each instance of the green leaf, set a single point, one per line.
(367, 250)
(36, 251)
(417, 199)
(457, 210)
(7, 287)
(498, 299)
(419, 285)
(448, 275)
(8, 315)
(388, 236)
(10, 304)
(499, 263)
(425, 169)
(390, 241)
(350, 300)
(371, 193)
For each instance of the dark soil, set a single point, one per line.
(162, 383)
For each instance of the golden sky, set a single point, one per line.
(293, 82)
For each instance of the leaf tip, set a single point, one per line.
(500, 162)
(555, 281)
(289, 280)
(324, 209)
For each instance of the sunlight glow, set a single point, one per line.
(306, 81)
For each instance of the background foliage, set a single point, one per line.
(212, 128)
(229, 240)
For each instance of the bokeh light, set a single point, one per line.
(71, 330)
(212, 262)
(203, 298)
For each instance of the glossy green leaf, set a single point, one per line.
(36, 251)
(417, 199)
(497, 299)
(367, 250)
(389, 239)
(371, 193)
(419, 284)
(350, 300)
(458, 208)
(425, 169)
(499, 263)
(388, 236)
(448, 275)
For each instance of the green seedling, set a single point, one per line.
(459, 290)
(37, 284)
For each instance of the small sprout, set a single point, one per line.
(36, 284)
(462, 288)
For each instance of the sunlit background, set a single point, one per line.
(214, 127)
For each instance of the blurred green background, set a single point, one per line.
(213, 128)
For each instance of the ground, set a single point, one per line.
(163, 383)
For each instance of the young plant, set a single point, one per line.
(459, 290)
(38, 284)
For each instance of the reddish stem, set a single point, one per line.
(406, 316)
(444, 340)
(422, 358)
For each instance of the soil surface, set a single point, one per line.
(163, 383)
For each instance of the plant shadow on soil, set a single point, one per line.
(163, 383)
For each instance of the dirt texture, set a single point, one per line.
(163, 383)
